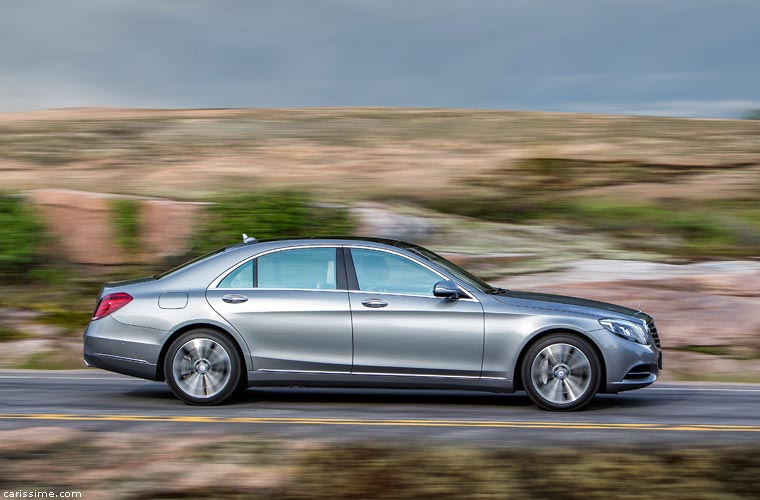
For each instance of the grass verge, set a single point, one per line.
(8, 333)
(244, 466)
(61, 359)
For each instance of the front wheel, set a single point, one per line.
(202, 367)
(561, 372)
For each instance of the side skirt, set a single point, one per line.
(262, 378)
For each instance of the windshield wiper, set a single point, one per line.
(497, 290)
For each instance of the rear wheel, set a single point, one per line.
(561, 372)
(202, 367)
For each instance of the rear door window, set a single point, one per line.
(298, 268)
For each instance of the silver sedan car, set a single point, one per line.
(362, 313)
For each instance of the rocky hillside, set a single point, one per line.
(654, 211)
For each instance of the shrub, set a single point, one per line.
(126, 221)
(21, 238)
(268, 215)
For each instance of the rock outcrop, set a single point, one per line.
(82, 225)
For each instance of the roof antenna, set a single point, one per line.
(249, 239)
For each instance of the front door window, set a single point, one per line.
(390, 273)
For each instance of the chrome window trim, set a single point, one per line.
(215, 284)
(289, 289)
(408, 295)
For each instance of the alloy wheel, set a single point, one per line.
(202, 368)
(561, 373)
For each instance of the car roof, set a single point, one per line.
(383, 241)
(321, 239)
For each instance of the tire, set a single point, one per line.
(561, 372)
(202, 367)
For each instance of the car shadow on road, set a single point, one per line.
(632, 400)
(307, 396)
(347, 396)
(382, 396)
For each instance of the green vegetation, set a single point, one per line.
(53, 273)
(712, 350)
(719, 228)
(535, 176)
(21, 238)
(71, 320)
(268, 215)
(8, 333)
(361, 471)
(52, 360)
(66, 305)
(695, 230)
(264, 469)
(126, 220)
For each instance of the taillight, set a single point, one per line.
(110, 303)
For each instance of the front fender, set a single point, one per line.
(508, 335)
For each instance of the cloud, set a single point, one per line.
(525, 54)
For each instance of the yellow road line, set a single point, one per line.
(390, 422)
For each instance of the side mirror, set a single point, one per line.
(447, 289)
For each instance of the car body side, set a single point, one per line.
(133, 340)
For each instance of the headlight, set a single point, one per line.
(628, 330)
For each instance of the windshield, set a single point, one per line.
(452, 268)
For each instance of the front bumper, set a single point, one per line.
(628, 365)
(638, 376)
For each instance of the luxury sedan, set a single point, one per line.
(362, 313)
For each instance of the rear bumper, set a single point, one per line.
(126, 366)
(121, 348)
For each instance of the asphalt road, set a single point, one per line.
(664, 414)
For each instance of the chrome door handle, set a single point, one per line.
(234, 298)
(374, 303)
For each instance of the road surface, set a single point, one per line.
(666, 413)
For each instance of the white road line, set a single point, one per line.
(706, 389)
(71, 378)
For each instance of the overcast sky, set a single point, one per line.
(657, 57)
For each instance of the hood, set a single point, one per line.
(563, 303)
